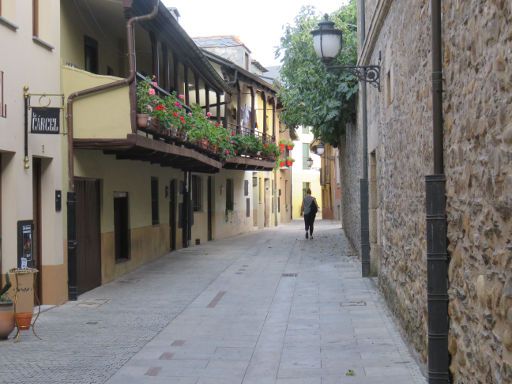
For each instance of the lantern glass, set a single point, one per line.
(326, 40)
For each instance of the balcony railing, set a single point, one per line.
(181, 136)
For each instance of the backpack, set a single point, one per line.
(314, 207)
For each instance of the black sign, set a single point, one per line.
(45, 120)
(25, 249)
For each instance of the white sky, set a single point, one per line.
(257, 23)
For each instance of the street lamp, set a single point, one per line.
(327, 42)
(309, 162)
(320, 148)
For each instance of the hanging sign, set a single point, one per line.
(45, 120)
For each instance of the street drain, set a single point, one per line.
(92, 303)
(353, 303)
(289, 274)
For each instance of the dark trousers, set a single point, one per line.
(309, 221)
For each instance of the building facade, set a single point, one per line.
(477, 151)
(305, 172)
(31, 181)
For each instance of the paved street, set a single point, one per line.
(266, 307)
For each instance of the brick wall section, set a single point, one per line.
(351, 171)
(477, 37)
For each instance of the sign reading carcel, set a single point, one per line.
(45, 120)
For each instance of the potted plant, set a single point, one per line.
(289, 161)
(6, 310)
(270, 151)
(146, 99)
(290, 145)
(282, 145)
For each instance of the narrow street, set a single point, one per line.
(265, 307)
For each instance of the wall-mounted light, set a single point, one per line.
(328, 42)
(309, 162)
(320, 148)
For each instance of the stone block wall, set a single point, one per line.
(477, 72)
(399, 130)
(477, 37)
(351, 169)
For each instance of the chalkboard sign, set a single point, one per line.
(25, 244)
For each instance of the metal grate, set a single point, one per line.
(353, 303)
(289, 274)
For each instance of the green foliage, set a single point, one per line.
(311, 95)
(3, 292)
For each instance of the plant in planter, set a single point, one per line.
(270, 151)
(289, 161)
(282, 145)
(146, 100)
(6, 310)
(248, 145)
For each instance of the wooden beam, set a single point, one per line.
(217, 94)
(175, 64)
(187, 90)
(155, 55)
(196, 85)
(264, 94)
(165, 53)
(238, 105)
(253, 112)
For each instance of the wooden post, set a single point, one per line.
(187, 90)
(196, 84)
(253, 112)
(264, 94)
(155, 56)
(217, 94)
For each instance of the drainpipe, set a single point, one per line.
(437, 254)
(363, 183)
(71, 195)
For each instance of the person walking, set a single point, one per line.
(309, 208)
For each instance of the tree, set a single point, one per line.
(311, 95)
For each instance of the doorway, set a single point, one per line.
(36, 213)
(88, 253)
(266, 202)
(173, 200)
(210, 208)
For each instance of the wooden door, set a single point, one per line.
(173, 201)
(37, 238)
(88, 234)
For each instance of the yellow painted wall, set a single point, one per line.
(301, 175)
(104, 115)
(77, 23)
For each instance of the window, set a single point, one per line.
(90, 54)
(305, 130)
(305, 155)
(305, 187)
(248, 207)
(197, 193)
(121, 226)
(230, 192)
(246, 187)
(154, 201)
(35, 17)
(3, 107)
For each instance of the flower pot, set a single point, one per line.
(23, 284)
(282, 163)
(281, 147)
(6, 319)
(288, 163)
(142, 120)
(290, 147)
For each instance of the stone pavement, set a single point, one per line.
(265, 307)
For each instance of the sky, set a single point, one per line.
(259, 24)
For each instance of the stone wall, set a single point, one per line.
(477, 41)
(477, 37)
(351, 171)
(399, 131)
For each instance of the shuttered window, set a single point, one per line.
(305, 155)
(197, 193)
(229, 195)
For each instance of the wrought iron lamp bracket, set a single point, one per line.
(368, 73)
